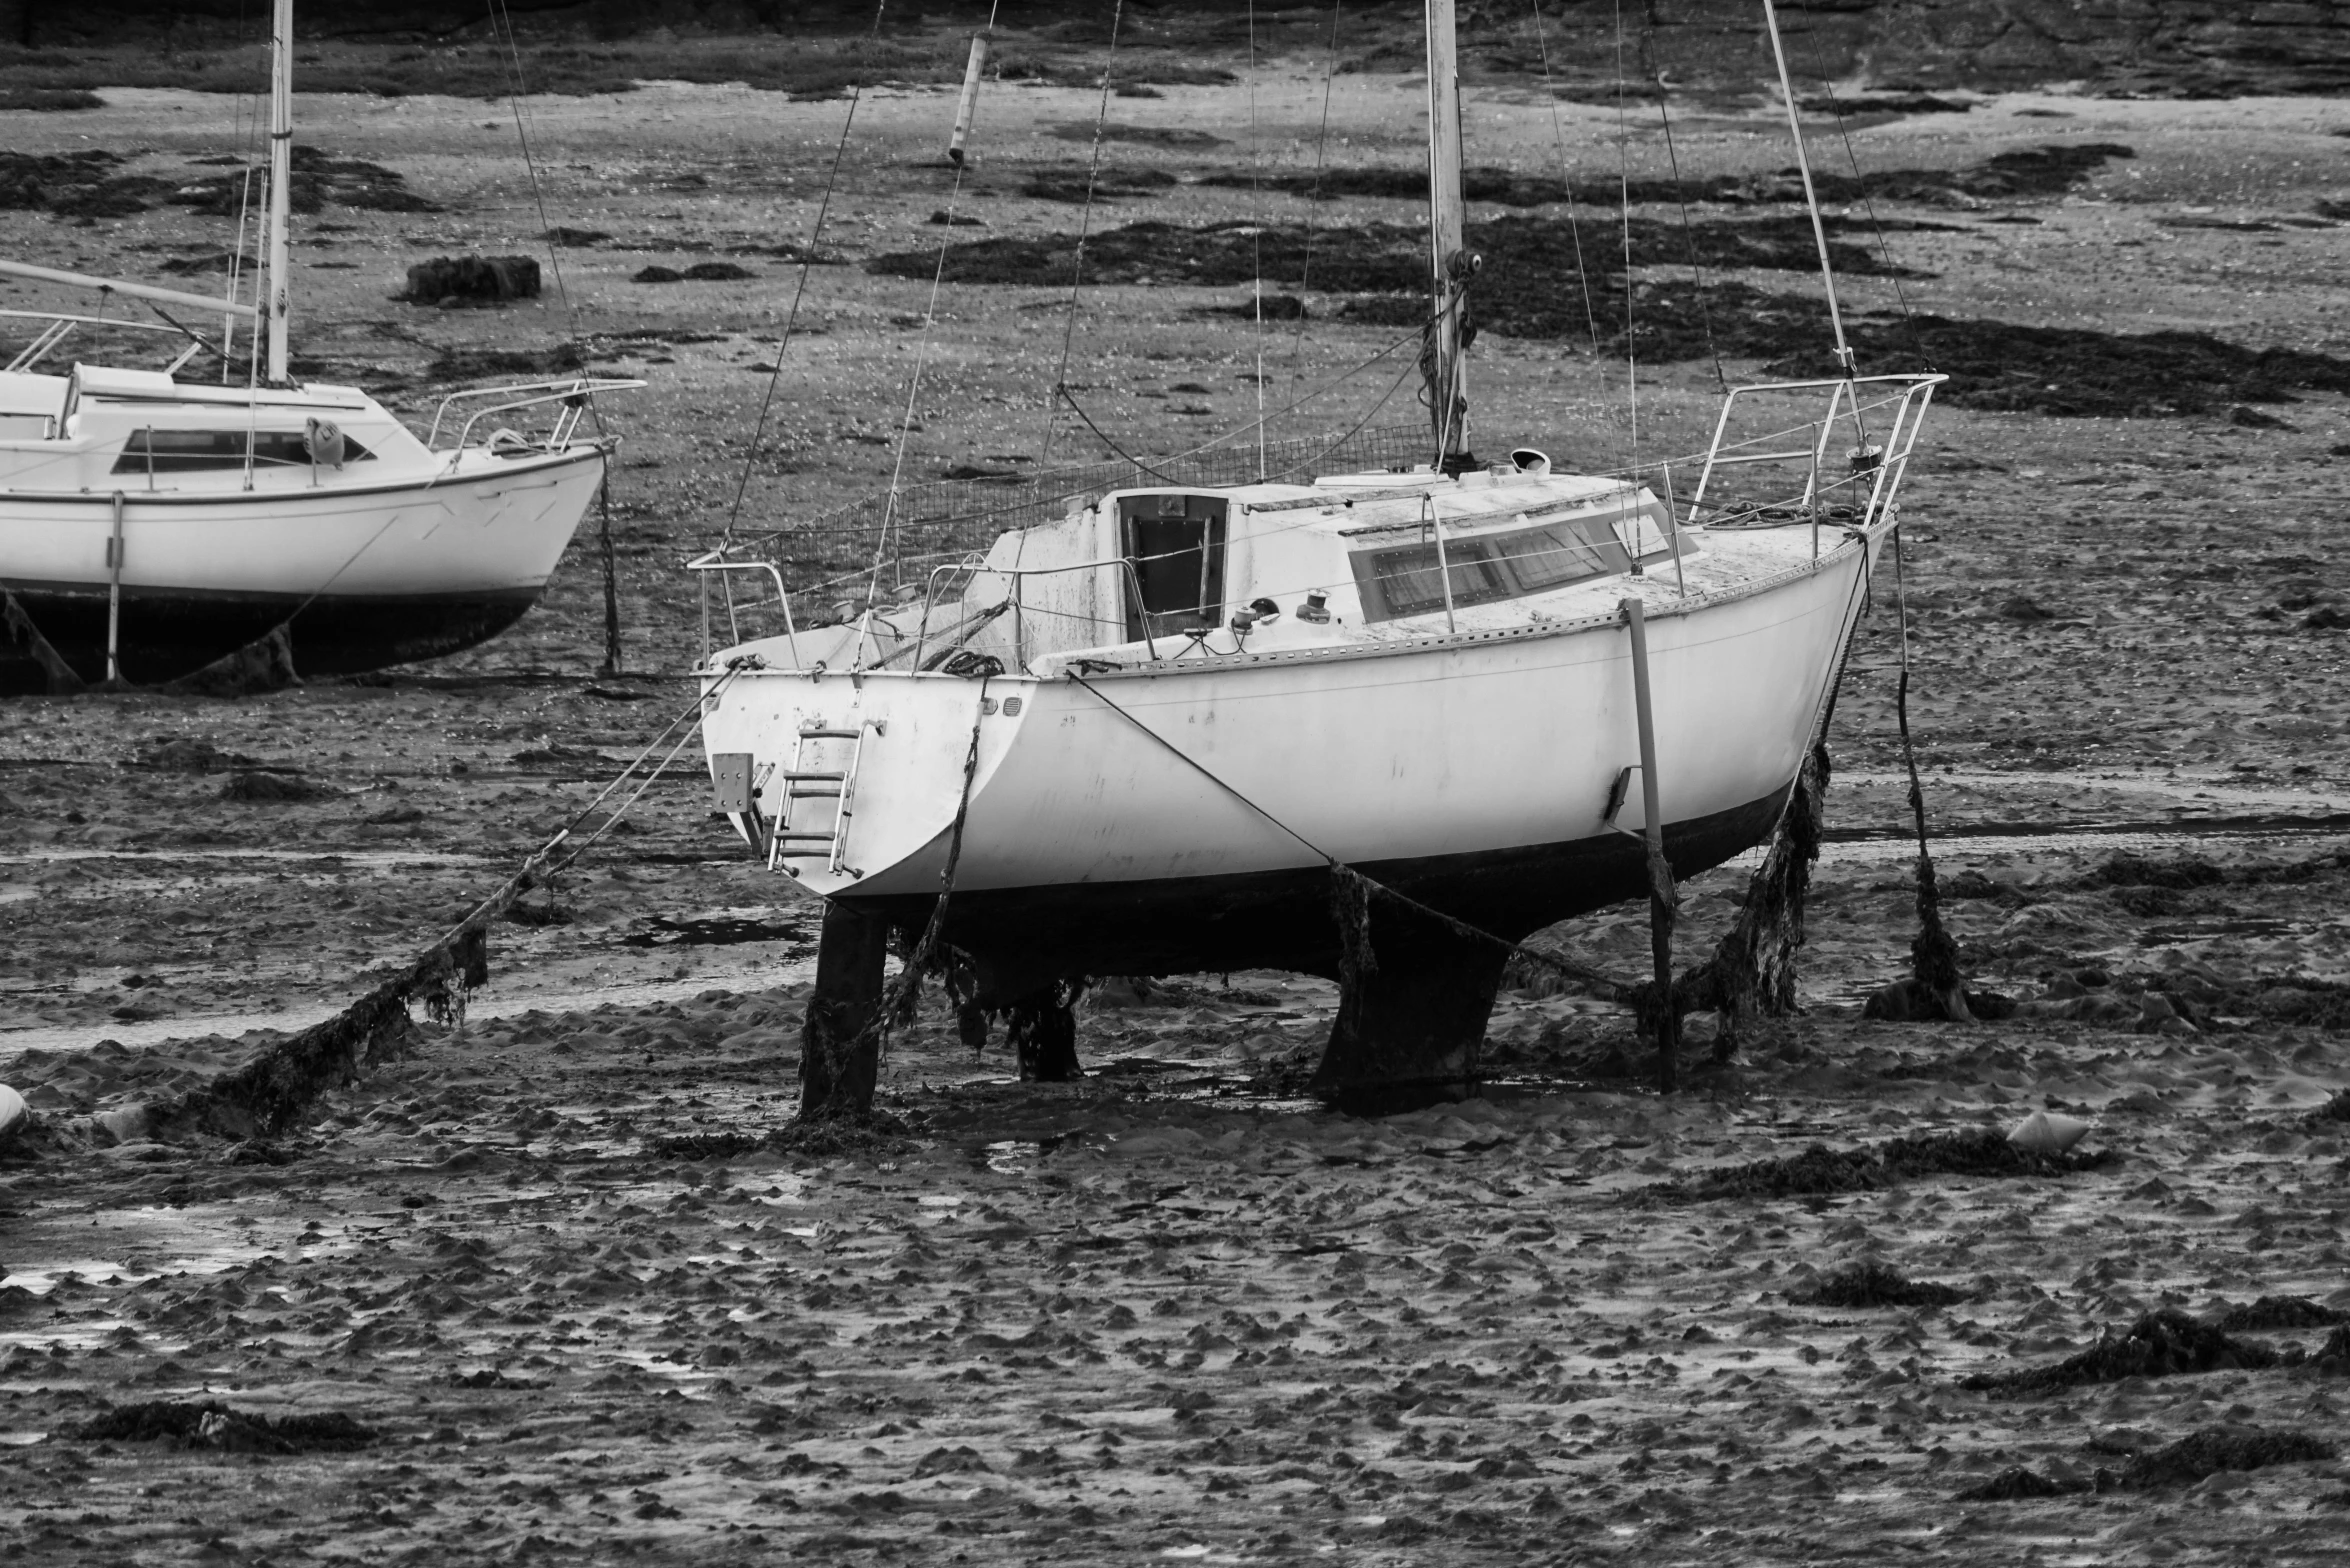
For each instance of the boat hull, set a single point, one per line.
(362, 578)
(166, 635)
(1026, 937)
(1183, 817)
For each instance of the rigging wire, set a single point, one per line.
(1869, 205)
(1418, 334)
(897, 470)
(791, 317)
(1297, 337)
(1705, 312)
(1354, 430)
(1256, 223)
(1558, 135)
(1093, 168)
(498, 12)
(1624, 207)
(938, 274)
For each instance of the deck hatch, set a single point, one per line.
(1176, 543)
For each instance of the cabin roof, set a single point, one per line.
(1373, 503)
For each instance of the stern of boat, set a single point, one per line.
(850, 783)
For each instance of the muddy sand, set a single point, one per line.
(576, 1309)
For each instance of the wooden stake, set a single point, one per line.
(114, 582)
(1661, 897)
(611, 580)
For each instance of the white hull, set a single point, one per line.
(1445, 748)
(493, 526)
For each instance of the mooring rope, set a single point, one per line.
(270, 1091)
(1591, 979)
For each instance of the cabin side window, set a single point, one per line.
(1401, 580)
(1176, 545)
(197, 451)
(1408, 580)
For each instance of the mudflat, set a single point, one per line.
(576, 1304)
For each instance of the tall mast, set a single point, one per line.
(1819, 231)
(1449, 265)
(274, 301)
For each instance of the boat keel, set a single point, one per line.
(166, 636)
(1042, 1030)
(1412, 1006)
(840, 1056)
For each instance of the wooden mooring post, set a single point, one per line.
(1661, 896)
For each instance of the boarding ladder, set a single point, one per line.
(824, 767)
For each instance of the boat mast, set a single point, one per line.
(1819, 232)
(275, 302)
(1449, 265)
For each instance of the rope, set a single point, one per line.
(1933, 955)
(791, 319)
(271, 1090)
(1101, 119)
(899, 1002)
(1566, 177)
(1608, 988)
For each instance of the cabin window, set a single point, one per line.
(1563, 553)
(1410, 581)
(196, 451)
(1176, 543)
(1402, 580)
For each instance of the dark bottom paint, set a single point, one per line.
(1409, 1033)
(168, 635)
(1025, 937)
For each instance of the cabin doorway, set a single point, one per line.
(1176, 544)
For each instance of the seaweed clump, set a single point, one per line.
(2016, 1484)
(704, 1145)
(211, 1424)
(2205, 1452)
(2275, 1312)
(2217, 1448)
(1873, 1283)
(1983, 1152)
(2163, 1343)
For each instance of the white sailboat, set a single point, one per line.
(150, 524)
(1138, 739)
